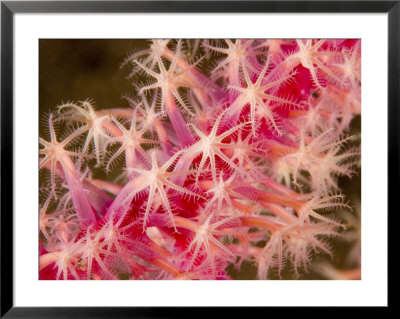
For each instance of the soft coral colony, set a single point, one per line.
(237, 161)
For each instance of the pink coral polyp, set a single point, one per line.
(230, 156)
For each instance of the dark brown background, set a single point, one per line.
(74, 70)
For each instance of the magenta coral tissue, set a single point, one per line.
(228, 159)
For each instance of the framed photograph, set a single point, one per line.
(160, 155)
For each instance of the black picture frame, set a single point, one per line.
(9, 8)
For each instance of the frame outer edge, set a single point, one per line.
(393, 118)
(6, 135)
(202, 6)
(6, 216)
